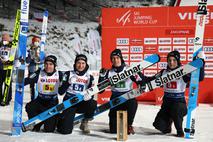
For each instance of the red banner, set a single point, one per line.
(139, 32)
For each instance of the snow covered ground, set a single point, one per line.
(143, 126)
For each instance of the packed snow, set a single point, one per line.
(145, 132)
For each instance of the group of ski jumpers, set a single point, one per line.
(52, 82)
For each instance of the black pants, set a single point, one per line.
(171, 111)
(66, 119)
(32, 88)
(3, 74)
(38, 106)
(130, 106)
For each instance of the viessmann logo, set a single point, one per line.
(193, 16)
(125, 18)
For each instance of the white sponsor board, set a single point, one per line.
(124, 49)
(208, 66)
(122, 41)
(183, 57)
(209, 57)
(164, 41)
(181, 49)
(191, 41)
(136, 57)
(125, 57)
(208, 74)
(136, 49)
(162, 65)
(208, 49)
(164, 49)
(150, 40)
(179, 40)
(190, 57)
(190, 49)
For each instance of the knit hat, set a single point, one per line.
(80, 57)
(35, 39)
(117, 52)
(77, 58)
(51, 58)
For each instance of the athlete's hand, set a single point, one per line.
(17, 64)
(142, 86)
(201, 55)
(103, 72)
(87, 97)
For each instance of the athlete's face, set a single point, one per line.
(172, 62)
(5, 39)
(49, 67)
(80, 65)
(116, 61)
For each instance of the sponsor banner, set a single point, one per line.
(209, 57)
(191, 41)
(148, 41)
(125, 57)
(139, 32)
(208, 66)
(208, 41)
(183, 57)
(190, 56)
(124, 49)
(208, 74)
(136, 49)
(181, 49)
(136, 57)
(190, 49)
(179, 40)
(187, 16)
(164, 40)
(208, 49)
(139, 18)
(128, 17)
(150, 48)
(104, 97)
(136, 41)
(162, 65)
(164, 49)
(181, 32)
(150, 72)
(122, 41)
(152, 16)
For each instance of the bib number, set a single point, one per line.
(172, 85)
(78, 87)
(48, 88)
(120, 85)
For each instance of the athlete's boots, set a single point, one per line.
(84, 126)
